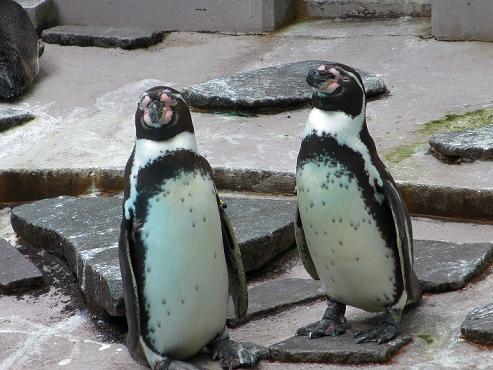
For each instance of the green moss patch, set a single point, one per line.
(459, 122)
(400, 153)
(452, 122)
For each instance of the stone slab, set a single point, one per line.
(11, 117)
(462, 20)
(85, 232)
(104, 37)
(365, 8)
(16, 271)
(181, 15)
(273, 88)
(275, 295)
(42, 13)
(478, 325)
(340, 350)
(443, 266)
(466, 145)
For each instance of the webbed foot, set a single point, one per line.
(233, 354)
(169, 364)
(383, 333)
(333, 323)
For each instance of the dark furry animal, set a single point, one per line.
(20, 50)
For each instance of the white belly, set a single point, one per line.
(349, 253)
(186, 279)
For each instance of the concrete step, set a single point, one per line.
(364, 8)
(42, 13)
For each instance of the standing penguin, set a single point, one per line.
(20, 50)
(352, 227)
(177, 245)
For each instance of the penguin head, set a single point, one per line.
(162, 114)
(337, 87)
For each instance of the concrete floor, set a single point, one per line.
(85, 99)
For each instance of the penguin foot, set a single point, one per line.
(169, 364)
(232, 355)
(384, 333)
(333, 322)
(324, 328)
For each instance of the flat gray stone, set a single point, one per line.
(275, 295)
(42, 13)
(464, 145)
(339, 350)
(271, 89)
(16, 271)
(85, 232)
(443, 266)
(478, 325)
(11, 117)
(104, 37)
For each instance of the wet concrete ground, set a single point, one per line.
(84, 100)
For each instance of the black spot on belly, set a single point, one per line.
(159, 324)
(323, 202)
(196, 287)
(148, 269)
(152, 330)
(163, 301)
(332, 263)
(183, 301)
(311, 205)
(340, 220)
(190, 210)
(182, 200)
(334, 220)
(357, 259)
(340, 242)
(333, 250)
(193, 225)
(204, 219)
(215, 255)
(168, 312)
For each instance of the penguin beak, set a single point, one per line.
(323, 79)
(156, 110)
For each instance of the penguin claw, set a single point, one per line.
(169, 364)
(323, 328)
(384, 333)
(232, 354)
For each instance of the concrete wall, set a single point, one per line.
(182, 15)
(364, 8)
(462, 19)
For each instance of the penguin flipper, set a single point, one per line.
(130, 291)
(302, 246)
(237, 278)
(403, 228)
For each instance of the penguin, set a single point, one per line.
(178, 253)
(352, 227)
(20, 50)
